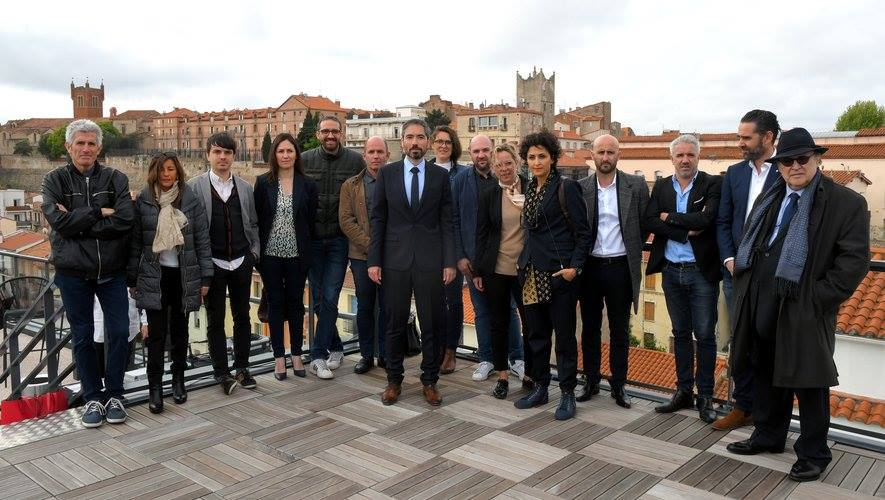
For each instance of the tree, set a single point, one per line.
(23, 147)
(52, 145)
(862, 114)
(307, 136)
(436, 118)
(265, 147)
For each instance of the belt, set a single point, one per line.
(681, 265)
(608, 260)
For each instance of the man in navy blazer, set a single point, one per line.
(744, 182)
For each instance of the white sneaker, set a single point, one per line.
(518, 368)
(318, 367)
(482, 371)
(335, 359)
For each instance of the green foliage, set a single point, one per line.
(52, 145)
(862, 114)
(265, 147)
(23, 147)
(653, 345)
(634, 342)
(307, 137)
(436, 118)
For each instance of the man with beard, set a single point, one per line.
(330, 165)
(412, 250)
(744, 182)
(616, 203)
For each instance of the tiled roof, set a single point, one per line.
(21, 240)
(843, 177)
(568, 134)
(42, 250)
(871, 132)
(37, 124)
(319, 103)
(572, 162)
(178, 113)
(136, 114)
(863, 314)
(496, 108)
(857, 408)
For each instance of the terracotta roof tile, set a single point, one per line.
(863, 313)
(136, 114)
(871, 132)
(843, 177)
(42, 250)
(857, 408)
(21, 240)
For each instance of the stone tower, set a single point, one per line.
(88, 101)
(537, 92)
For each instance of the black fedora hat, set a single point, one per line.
(796, 142)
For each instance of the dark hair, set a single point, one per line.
(542, 139)
(153, 176)
(765, 121)
(456, 143)
(330, 118)
(222, 140)
(416, 121)
(272, 158)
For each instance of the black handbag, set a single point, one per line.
(413, 337)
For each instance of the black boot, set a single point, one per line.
(179, 393)
(155, 395)
(681, 400)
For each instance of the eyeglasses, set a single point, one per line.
(329, 131)
(169, 154)
(442, 142)
(788, 162)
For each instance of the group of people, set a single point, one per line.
(789, 244)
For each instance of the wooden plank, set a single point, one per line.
(704, 471)
(688, 467)
(733, 479)
(16, 484)
(857, 473)
(605, 486)
(640, 453)
(726, 469)
(769, 483)
(836, 472)
(873, 480)
(641, 488)
(749, 483)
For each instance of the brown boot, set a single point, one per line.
(448, 363)
(391, 394)
(431, 395)
(737, 418)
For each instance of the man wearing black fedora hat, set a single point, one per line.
(804, 250)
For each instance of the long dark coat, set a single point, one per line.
(838, 259)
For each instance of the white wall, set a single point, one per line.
(861, 370)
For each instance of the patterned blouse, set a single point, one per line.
(282, 241)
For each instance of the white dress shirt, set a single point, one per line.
(224, 188)
(609, 241)
(407, 178)
(757, 183)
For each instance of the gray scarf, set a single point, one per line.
(795, 249)
(169, 221)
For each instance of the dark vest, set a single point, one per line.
(226, 233)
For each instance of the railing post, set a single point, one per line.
(49, 336)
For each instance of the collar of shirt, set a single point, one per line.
(600, 187)
(678, 187)
(791, 191)
(447, 165)
(407, 162)
(219, 181)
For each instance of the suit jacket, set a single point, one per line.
(703, 207)
(632, 202)
(304, 210)
(465, 197)
(488, 228)
(203, 187)
(733, 206)
(403, 239)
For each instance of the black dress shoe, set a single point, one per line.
(705, 409)
(621, 398)
(179, 393)
(501, 389)
(363, 365)
(381, 363)
(537, 397)
(750, 447)
(566, 409)
(586, 391)
(803, 470)
(682, 399)
(228, 383)
(155, 398)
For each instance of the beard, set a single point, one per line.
(606, 168)
(416, 153)
(752, 154)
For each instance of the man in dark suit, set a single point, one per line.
(742, 185)
(413, 246)
(682, 215)
(805, 249)
(616, 204)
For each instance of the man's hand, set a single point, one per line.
(465, 268)
(448, 275)
(477, 282)
(107, 212)
(204, 290)
(567, 274)
(61, 208)
(375, 274)
(133, 292)
(730, 266)
(144, 332)
(694, 232)
(664, 216)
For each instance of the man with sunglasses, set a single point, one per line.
(329, 165)
(805, 248)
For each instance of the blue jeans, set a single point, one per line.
(483, 323)
(691, 302)
(327, 269)
(367, 325)
(78, 296)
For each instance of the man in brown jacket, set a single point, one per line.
(353, 215)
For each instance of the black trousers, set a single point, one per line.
(237, 284)
(283, 280)
(500, 289)
(559, 316)
(170, 320)
(427, 286)
(606, 282)
(454, 319)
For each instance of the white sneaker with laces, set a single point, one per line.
(482, 371)
(318, 367)
(518, 369)
(335, 359)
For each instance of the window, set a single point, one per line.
(651, 281)
(649, 311)
(80, 101)
(94, 101)
(395, 132)
(648, 339)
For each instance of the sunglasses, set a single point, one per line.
(788, 162)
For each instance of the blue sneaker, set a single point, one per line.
(93, 415)
(115, 413)
(566, 408)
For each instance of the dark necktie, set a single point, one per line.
(789, 212)
(414, 191)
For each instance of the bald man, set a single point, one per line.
(615, 204)
(354, 213)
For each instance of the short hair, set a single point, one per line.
(153, 176)
(82, 126)
(505, 148)
(543, 139)
(272, 157)
(333, 118)
(417, 121)
(686, 139)
(765, 121)
(456, 143)
(222, 140)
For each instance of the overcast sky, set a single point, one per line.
(693, 66)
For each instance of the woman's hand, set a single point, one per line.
(477, 282)
(567, 274)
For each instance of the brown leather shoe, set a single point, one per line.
(737, 418)
(448, 363)
(391, 394)
(431, 395)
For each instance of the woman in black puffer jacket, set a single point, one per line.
(170, 268)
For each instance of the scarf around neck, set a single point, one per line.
(170, 221)
(533, 198)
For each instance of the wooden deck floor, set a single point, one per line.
(308, 438)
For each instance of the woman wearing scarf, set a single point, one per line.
(557, 239)
(170, 268)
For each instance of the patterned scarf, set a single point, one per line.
(533, 199)
(538, 284)
(795, 249)
(169, 221)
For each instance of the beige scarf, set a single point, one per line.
(169, 222)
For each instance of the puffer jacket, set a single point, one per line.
(194, 257)
(330, 170)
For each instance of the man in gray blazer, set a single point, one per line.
(615, 204)
(233, 236)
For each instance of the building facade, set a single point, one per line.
(538, 93)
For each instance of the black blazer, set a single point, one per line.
(551, 245)
(403, 239)
(488, 228)
(703, 207)
(304, 208)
